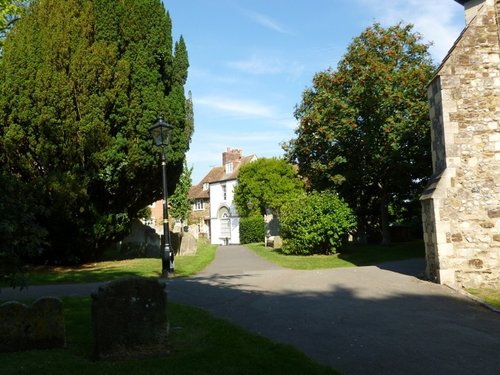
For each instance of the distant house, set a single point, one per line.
(213, 199)
(199, 195)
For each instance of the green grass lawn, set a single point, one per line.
(200, 344)
(351, 256)
(110, 270)
(488, 295)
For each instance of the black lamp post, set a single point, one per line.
(160, 131)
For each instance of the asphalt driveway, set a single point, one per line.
(365, 320)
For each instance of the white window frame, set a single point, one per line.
(198, 205)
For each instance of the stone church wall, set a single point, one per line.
(461, 206)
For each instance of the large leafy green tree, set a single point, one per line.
(81, 81)
(364, 128)
(266, 183)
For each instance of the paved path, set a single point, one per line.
(365, 320)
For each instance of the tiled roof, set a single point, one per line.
(218, 174)
(197, 192)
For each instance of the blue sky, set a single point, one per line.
(250, 61)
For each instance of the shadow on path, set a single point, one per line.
(354, 321)
(364, 320)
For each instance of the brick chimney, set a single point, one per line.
(471, 8)
(230, 155)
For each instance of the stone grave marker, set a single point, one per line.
(129, 319)
(189, 245)
(39, 326)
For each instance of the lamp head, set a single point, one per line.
(160, 131)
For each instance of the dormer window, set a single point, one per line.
(205, 186)
(229, 167)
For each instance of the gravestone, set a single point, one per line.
(39, 326)
(129, 319)
(188, 245)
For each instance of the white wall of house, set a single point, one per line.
(224, 219)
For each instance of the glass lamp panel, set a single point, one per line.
(160, 132)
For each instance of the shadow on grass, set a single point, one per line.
(412, 253)
(199, 344)
(94, 272)
(389, 257)
(84, 277)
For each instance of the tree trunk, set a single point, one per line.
(361, 235)
(384, 217)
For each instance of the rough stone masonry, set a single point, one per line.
(461, 206)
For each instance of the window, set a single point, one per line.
(224, 192)
(198, 204)
(225, 224)
(229, 167)
(205, 186)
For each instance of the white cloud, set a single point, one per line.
(267, 22)
(237, 107)
(435, 20)
(290, 123)
(205, 75)
(267, 66)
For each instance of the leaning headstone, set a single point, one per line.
(278, 242)
(39, 326)
(188, 244)
(129, 319)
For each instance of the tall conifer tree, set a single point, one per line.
(81, 81)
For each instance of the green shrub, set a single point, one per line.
(252, 229)
(315, 224)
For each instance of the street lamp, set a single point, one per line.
(160, 131)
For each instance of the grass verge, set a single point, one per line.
(110, 270)
(200, 344)
(350, 256)
(488, 295)
(191, 265)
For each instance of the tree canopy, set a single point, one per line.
(10, 11)
(81, 81)
(266, 183)
(315, 223)
(364, 128)
(181, 206)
